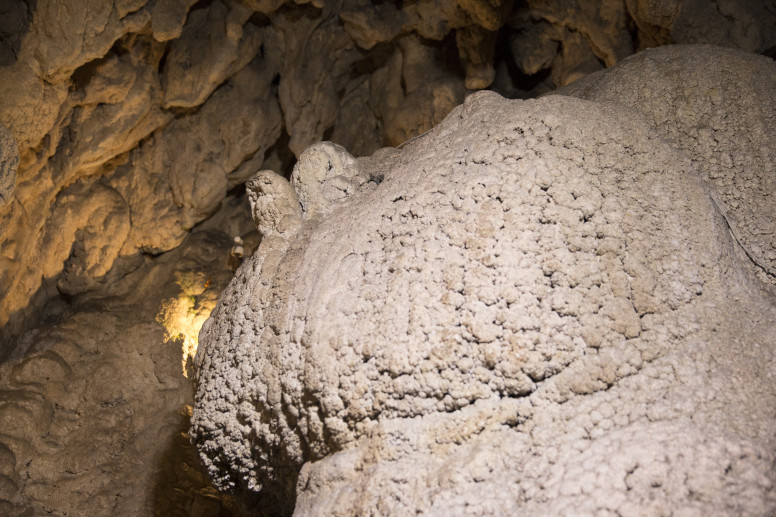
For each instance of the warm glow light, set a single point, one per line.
(183, 316)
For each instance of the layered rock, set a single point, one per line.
(553, 302)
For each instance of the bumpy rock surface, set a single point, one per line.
(94, 411)
(133, 119)
(540, 301)
(9, 161)
(172, 103)
(719, 107)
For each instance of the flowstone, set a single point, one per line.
(536, 307)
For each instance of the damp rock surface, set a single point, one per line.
(534, 300)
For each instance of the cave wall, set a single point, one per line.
(134, 119)
(127, 130)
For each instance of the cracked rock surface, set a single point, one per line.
(9, 161)
(539, 300)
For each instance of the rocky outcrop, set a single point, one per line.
(533, 301)
(171, 103)
(131, 124)
(9, 161)
(569, 39)
(95, 406)
(696, 119)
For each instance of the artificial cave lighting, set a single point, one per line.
(184, 315)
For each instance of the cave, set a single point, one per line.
(387, 257)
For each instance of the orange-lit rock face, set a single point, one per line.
(533, 301)
(129, 122)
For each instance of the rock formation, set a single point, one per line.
(142, 96)
(128, 130)
(566, 303)
(94, 409)
(9, 161)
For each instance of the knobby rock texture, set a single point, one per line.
(155, 109)
(556, 306)
(128, 130)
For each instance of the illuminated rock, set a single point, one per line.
(9, 161)
(133, 119)
(538, 307)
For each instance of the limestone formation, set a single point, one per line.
(131, 124)
(147, 95)
(9, 161)
(94, 404)
(539, 300)
(738, 164)
(572, 38)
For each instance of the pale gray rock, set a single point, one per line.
(325, 172)
(108, 84)
(275, 207)
(736, 155)
(534, 301)
(9, 162)
(134, 118)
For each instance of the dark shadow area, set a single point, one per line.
(523, 86)
(284, 154)
(45, 306)
(182, 488)
(15, 17)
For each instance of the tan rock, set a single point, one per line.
(215, 43)
(168, 17)
(9, 162)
